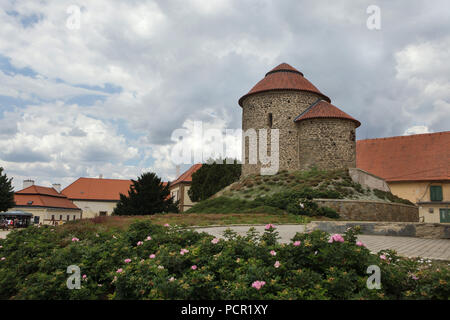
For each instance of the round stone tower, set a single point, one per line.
(326, 137)
(277, 102)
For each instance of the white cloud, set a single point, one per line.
(416, 130)
(44, 144)
(29, 88)
(422, 67)
(176, 62)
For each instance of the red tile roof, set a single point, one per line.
(40, 190)
(420, 157)
(283, 77)
(97, 189)
(42, 197)
(324, 109)
(187, 175)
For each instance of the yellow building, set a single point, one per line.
(416, 167)
(432, 197)
(180, 187)
(47, 205)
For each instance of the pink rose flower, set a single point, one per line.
(3, 258)
(148, 238)
(119, 270)
(383, 257)
(127, 260)
(273, 253)
(297, 243)
(277, 264)
(183, 251)
(336, 238)
(258, 284)
(215, 241)
(140, 243)
(152, 256)
(269, 226)
(167, 225)
(194, 267)
(360, 244)
(84, 276)
(172, 279)
(75, 239)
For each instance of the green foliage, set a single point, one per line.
(213, 177)
(6, 192)
(146, 196)
(298, 203)
(36, 259)
(390, 197)
(228, 205)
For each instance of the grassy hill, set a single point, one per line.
(283, 192)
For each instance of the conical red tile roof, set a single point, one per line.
(324, 109)
(283, 77)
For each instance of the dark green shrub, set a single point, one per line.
(35, 262)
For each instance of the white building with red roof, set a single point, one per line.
(96, 196)
(47, 204)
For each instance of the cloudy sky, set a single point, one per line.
(100, 92)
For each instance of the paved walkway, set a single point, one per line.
(406, 246)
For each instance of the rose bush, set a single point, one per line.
(162, 262)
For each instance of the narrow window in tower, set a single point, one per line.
(269, 120)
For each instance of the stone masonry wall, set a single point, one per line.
(327, 144)
(362, 210)
(399, 229)
(284, 106)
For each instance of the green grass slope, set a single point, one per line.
(283, 192)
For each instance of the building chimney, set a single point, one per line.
(28, 183)
(178, 171)
(57, 187)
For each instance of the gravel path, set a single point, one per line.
(406, 246)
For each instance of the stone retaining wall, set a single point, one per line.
(364, 210)
(401, 229)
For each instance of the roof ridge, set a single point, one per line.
(324, 109)
(284, 70)
(104, 179)
(309, 108)
(407, 136)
